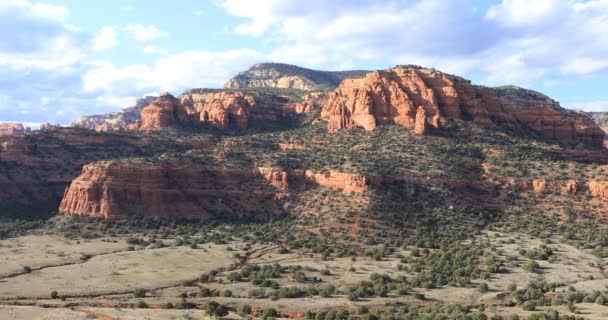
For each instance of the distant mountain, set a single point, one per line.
(116, 120)
(601, 119)
(278, 75)
(13, 129)
(524, 98)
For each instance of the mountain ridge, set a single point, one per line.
(280, 75)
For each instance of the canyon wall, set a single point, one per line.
(112, 189)
(35, 169)
(120, 189)
(425, 98)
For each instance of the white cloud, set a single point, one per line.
(151, 49)
(35, 10)
(145, 33)
(525, 12)
(177, 72)
(516, 41)
(34, 36)
(107, 38)
(198, 13)
(585, 65)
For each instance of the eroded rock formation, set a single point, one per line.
(35, 169)
(394, 96)
(7, 129)
(115, 189)
(219, 109)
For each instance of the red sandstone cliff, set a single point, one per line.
(220, 109)
(423, 98)
(35, 169)
(115, 189)
(112, 189)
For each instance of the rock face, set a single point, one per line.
(221, 109)
(567, 127)
(7, 129)
(337, 180)
(308, 103)
(114, 189)
(117, 120)
(408, 95)
(159, 114)
(517, 98)
(278, 75)
(35, 169)
(394, 96)
(420, 124)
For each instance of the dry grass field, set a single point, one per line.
(100, 278)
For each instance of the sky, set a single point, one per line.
(61, 59)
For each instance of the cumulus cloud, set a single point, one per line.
(34, 36)
(513, 41)
(145, 33)
(526, 13)
(34, 10)
(107, 38)
(53, 79)
(173, 73)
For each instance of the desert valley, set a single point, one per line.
(405, 193)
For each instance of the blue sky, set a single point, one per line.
(60, 59)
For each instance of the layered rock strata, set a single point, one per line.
(422, 99)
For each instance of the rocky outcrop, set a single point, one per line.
(307, 104)
(420, 124)
(567, 127)
(160, 114)
(346, 183)
(516, 98)
(35, 169)
(115, 121)
(540, 186)
(115, 189)
(7, 129)
(278, 75)
(594, 188)
(393, 97)
(598, 189)
(220, 109)
(405, 95)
